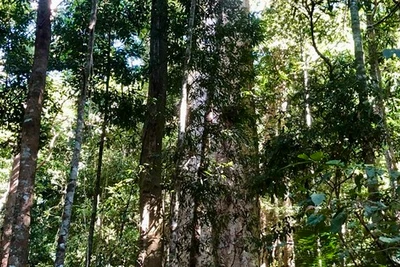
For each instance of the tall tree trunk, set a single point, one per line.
(375, 74)
(238, 207)
(97, 187)
(73, 174)
(19, 246)
(151, 214)
(9, 211)
(181, 204)
(362, 88)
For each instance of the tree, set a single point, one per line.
(30, 131)
(69, 197)
(150, 207)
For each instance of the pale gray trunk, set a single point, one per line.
(187, 226)
(73, 174)
(358, 52)
(239, 210)
(306, 89)
(182, 203)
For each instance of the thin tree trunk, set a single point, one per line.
(362, 88)
(9, 211)
(150, 203)
(69, 198)
(289, 248)
(306, 82)
(19, 246)
(375, 73)
(97, 188)
(179, 197)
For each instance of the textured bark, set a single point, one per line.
(362, 88)
(30, 131)
(289, 248)
(238, 209)
(221, 226)
(358, 52)
(97, 187)
(9, 211)
(73, 174)
(150, 203)
(375, 74)
(182, 210)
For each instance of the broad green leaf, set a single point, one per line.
(394, 175)
(389, 240)
(315, 219)
(370, 172)
(317, 156)
(317, 198)
(333, 162)
(303, 156)
(369, 210)
(337, 221)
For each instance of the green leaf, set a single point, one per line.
(337, 221)
(317, 198)
(370, 172)
(394, 175)
(315, 219)
(317, 156)
(389, 240)
(333, 162)
(303, 156)
(369, 210)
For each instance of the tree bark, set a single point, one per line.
(9, 211)
(150, 203)
(181, 204)
(97, 188)
(73, 174)
(30, 131)
(362, 89)
(238, 208)
(375, 74)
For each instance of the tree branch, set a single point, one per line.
(391, 13)
(314, 43)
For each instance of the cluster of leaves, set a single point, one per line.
(340, 207)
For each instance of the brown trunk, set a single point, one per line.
(9, 211)
(73, 175)
(151, 214)
(97, 187)
(30, 131)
